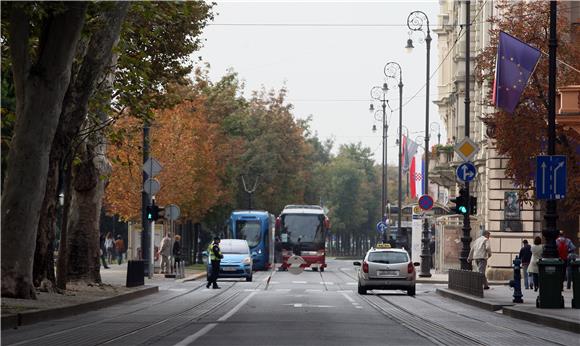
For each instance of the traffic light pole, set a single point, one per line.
(466, 238)
(145, 201)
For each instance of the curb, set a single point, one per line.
(467, 299)
(194, 277)
(26, 318)
(552, 321)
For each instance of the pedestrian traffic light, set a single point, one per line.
(154, 212)
(460, 202)
(473, 205)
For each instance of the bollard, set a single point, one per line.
(575, 270)
(516, 283)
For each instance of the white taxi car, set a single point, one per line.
(386, 268)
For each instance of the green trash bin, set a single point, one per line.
(551, 281)
(575, 265)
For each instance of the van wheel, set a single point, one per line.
(314, 269)
(249, 279)
(361, 290)
(411, 291)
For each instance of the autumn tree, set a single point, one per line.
(529, 22)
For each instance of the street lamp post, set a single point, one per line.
(418, 21)
(380, 94)
(393, 70)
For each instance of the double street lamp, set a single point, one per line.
(380, 94)
(418, 21)
(393, 72)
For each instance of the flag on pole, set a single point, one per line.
(410, 151)
(416, 177)
(514, 64)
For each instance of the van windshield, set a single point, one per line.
(237, 248)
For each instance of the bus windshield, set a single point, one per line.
(249, 230)
(303, 228)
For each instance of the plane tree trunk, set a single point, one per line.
(40, 88)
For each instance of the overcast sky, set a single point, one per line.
(328, 55)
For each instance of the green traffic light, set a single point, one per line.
(462, 209)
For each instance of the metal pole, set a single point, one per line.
(466, 239)
(400, 215)
(145, 201)
(550, 233)
(425, 253)
(384, 193)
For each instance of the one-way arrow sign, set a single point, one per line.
(551, 177)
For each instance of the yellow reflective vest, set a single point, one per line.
(212, 255)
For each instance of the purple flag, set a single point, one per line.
(514, 65)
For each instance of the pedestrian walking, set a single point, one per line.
(176, 252)
(565, 248)
(432, 251)
(480, 252)
(119, 248)
(103, 251)
(533, 269)
(109, 247)
(165, 252)
(215, 256)
(526, 257)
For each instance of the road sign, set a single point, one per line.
(466, 149)
(466, 171)
(381, 227)
(172, 212)
(551, 177)
(295, 264)
(152, 167)
(151, 186)
(426, 202)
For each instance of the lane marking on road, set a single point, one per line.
(313, 290)
(252, 290)
(283, 289)
(348, 297)
(352, 283)
(328, 283)
(345, 291)
(274, 282)
(190, 339)
(299, 282)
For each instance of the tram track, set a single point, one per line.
(442, 334)
(122, 325)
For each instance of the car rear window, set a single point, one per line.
(388, 257)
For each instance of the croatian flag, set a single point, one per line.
(416, 174)
(514, 64)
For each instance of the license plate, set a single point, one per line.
(229, 269)
(388, 272)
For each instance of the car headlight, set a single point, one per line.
(247, 261)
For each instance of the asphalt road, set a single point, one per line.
(280, 308)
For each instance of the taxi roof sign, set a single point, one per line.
(383, 246)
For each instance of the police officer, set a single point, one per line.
(215, 254)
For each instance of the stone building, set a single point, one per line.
(499, 211)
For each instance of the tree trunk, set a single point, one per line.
(85, 212)
(96, 58)
(39, 105)
(43, 268)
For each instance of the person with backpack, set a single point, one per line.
(565, 248)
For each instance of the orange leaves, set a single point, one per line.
(186, 145)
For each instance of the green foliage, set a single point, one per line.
(157, 40)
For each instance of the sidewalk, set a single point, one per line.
(500, 298)
(81, 298)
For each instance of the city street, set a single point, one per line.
(311, 308)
